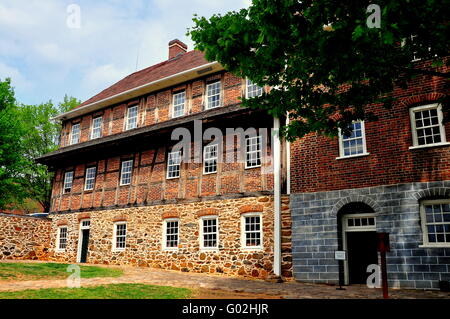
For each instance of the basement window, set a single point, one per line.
(210, 157)
(179, 100)
(435, 216)
(120, 236)
(171, 234)
(213, 95)
(96, 128)
(90, 178)
(68, 181)
(173, 164)
(75, 134)
(209, 233)
(132, 116)
(253, 152)
(252, 90)
(125, 172)
(251, 230)
(61, 241)
(426, 125)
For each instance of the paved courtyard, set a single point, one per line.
(216, 286)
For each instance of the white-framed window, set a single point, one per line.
(96, 128)
(355, 143)
(75, 134)
(61, 240)
(120, 236)
(253, 151)
(126, 172)
(252, 90)
(179, 101)
(213, 95)
(68, 182)
(435, 217)
(171, 234)
(210, 157)
(132, 117)
(426, 124)
(251, 231)
(89, 182)
(173, 164)
(209, 233)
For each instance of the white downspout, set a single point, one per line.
(277, 197)
(288, 162)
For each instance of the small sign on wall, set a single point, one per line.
(340, 255)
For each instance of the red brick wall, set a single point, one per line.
(314, 166)
(149, 183)
(156, 107)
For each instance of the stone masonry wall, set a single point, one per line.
(145, 232)
(409, 264)
(24, 237)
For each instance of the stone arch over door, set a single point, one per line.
(355, 199)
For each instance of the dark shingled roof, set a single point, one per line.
(186, 61)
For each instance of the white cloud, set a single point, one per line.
(18, 80)
(35, 39)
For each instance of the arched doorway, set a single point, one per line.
(359, 240)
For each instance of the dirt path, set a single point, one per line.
(220, 287)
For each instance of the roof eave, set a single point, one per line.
(168, 81)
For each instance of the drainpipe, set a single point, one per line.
(277, 198)
(288, 161)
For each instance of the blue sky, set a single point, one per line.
(46, 59)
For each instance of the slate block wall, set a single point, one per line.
(315, 233)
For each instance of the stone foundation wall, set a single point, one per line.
(315, 233)
(24, 237)
(145, 233)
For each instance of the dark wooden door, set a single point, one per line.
(362, 252)
(84, 245)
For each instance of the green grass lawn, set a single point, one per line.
(36, 271)
(115, 291)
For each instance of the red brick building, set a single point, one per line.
(391, 175)
(124, 194)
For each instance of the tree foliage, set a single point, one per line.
(323, 62)
(27, 132)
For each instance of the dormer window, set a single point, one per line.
(132, 116)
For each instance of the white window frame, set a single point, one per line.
(415, 139)
(88, 179)
(164, 238)
(244, 232)
(363, 137)
(72, 134)
(58, 238)
(128, 119)
(174, 106)
(114, 242)
(201, 233)
(65, 182)
(248, 84)
(424, 223)
(247, 152)
(207, 96)
(206, 152)
(122, 166)
(96, 129)
(170, 164)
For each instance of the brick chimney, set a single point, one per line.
(176, 47)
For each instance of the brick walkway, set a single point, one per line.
(227, 287)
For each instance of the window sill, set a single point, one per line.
(435, 246)
(118, 250)
(352, 156)
(60, 250)
(209, 250)
(253, 167)
(209, 173)
(173, 177)
(430, 145)
(170, 250)
(249, 250)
